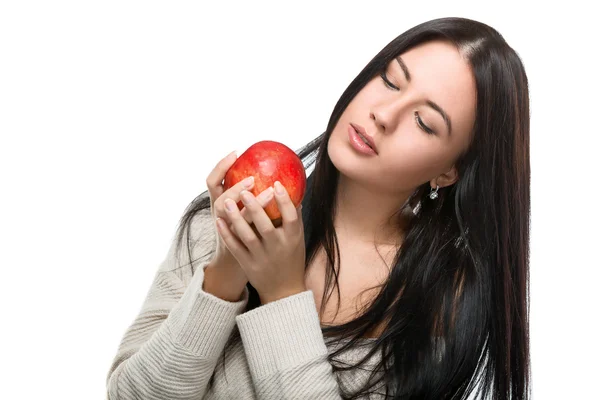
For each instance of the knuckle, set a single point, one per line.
(268, 231)
(252, 240)
(221, 215)
(220, 212)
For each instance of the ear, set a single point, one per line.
(445, 179)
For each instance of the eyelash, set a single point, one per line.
(419, 121)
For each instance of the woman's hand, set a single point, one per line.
(273, 260)
(214, 182)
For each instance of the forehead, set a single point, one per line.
(439, 73)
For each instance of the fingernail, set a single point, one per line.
(246, 198)
(248, 182)
(229, 204)
(266, 195)
(279, 188)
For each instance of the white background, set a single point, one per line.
(112, 114)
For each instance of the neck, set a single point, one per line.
(366, 215)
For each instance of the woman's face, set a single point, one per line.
(392, 115)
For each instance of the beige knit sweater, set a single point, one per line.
(174, 344)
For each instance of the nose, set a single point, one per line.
(387, 114)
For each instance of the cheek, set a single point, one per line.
(415, 162)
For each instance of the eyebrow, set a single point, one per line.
(430, 103)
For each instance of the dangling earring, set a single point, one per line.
(433, 195)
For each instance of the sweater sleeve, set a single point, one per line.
(172, 347)
(286, 350)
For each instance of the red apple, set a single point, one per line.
(269, 161)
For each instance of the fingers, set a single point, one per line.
(232, 193)
(263, 199)
(244, 232)
(216, 176)
(290, 215)
(258, 216)
(234, 245)
(248, 239)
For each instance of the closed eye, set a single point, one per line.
(387, 82)
(419, 121)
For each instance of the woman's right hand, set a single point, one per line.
(214, 182)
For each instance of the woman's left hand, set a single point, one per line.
(274, 260)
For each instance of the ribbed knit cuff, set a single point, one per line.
(281, 334)
(201, 322)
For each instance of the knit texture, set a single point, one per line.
(174, 344)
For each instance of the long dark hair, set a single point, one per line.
(456, 301)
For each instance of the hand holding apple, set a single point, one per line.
(273, 259)
(228, 267)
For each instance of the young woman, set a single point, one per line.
(422, 235)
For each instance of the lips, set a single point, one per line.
(363, 139)
(363, 132)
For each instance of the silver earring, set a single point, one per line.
(433, 195)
